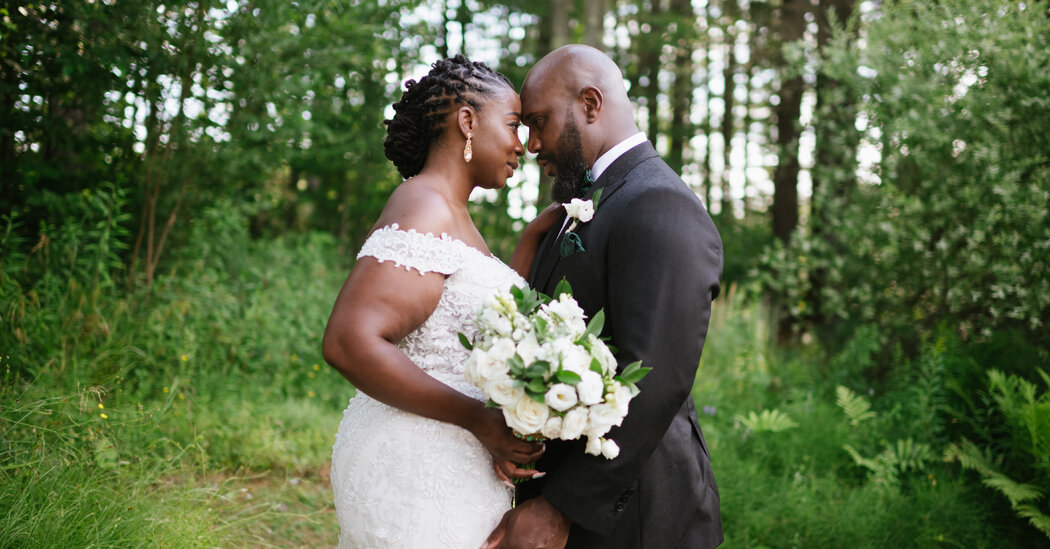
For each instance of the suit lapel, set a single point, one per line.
(547, 257)
(611, 180)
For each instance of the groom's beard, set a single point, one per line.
(570, 180)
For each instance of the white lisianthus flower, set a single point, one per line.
(591, 387)
(594, 446)
(610, 449)
(502, 349)
(528, 348)
(565, 308)
(573, 424)
(582, 210)
(503, 326)
(552, 429)
(601, 352)
(502, 391)
(619, 397)
(576, 359)
(526, 416)
(561, 397)
(488, 319)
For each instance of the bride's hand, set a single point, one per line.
(505, 448)
(546, 219)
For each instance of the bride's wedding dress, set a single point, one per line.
(402, 480)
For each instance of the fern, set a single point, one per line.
(772, 421)
(1035, 517)
(906, 455)
(857, 408)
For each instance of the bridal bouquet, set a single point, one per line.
(548, 370)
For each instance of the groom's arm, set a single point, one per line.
(664, 262)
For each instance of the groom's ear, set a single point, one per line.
(592, 100)
(466, 119)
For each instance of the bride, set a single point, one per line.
(419, 461)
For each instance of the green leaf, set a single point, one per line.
(633, 373)
(540, 397)
(596, 366)
(563, 287)
(594, 327)
(465, 342)
(567, 377)
(596, 197)
(537, 370)
(536, 386)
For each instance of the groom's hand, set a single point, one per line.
(535, 524)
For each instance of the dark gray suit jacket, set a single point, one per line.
(652, 261)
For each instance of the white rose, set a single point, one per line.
(503, 391)
(594, 446)
(610, 449)
(573, 424)
(552, 429)
(600, 419)
(591, 387)
(527, 416)
(528, 348)
(490, 368)
(502, 349)
(561, 397)
(580, 209)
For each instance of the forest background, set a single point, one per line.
(184, 184)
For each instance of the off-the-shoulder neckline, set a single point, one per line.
(444, 237)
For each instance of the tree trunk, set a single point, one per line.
(728, 122)
(559, 24)
(785, 178)
(594, 22)
(682, 93)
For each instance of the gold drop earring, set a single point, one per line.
(468, 152)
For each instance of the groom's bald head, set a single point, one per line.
(588, 83)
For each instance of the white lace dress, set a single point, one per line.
(402, 480)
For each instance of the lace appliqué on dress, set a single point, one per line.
(401, 480)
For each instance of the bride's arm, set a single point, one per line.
(378, 305)
(531, 238)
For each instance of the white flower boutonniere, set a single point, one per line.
(581, 211)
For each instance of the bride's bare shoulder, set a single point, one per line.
(417, 205)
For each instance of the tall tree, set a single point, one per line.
(787, 111)
(685, 42)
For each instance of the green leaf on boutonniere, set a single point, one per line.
(595, 197)
(465, 342)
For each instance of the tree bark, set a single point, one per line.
(785, 178)
(682, 93)
(594, 22)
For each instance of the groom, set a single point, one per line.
(651, 258)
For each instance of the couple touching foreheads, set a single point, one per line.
(419, 461)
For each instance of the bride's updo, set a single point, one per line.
(420, 115)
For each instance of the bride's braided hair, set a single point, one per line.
(420, 115)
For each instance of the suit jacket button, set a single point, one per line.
(619, 506)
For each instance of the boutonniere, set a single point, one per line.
(581, 211)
